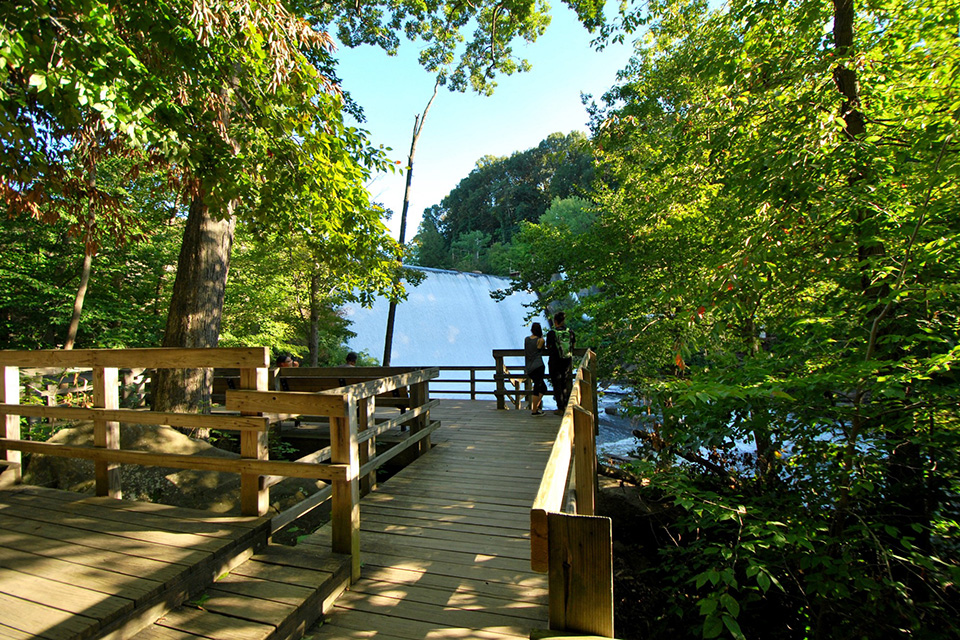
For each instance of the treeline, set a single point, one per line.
(474, 228)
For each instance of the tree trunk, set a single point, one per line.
(314, 337)
(196, 307)
(78, 301)
(417, 130)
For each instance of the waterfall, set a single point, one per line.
(448, 319)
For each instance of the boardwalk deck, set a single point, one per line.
(445, 542)
(74, 566)
(445, 547)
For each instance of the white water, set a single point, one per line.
(448, 319)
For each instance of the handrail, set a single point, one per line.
(350, 408)
(566, 539)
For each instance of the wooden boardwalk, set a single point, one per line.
(445, 542)
(445, 546)
(74, 566)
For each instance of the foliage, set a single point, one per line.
(777, 276)
(41, 263)
(458, 60)
(475, 225)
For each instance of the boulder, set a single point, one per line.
(206, 490)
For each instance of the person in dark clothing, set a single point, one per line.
(533, 346)
(561, 342)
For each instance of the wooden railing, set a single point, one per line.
(566, 539)
(349, 408)
(512, 372)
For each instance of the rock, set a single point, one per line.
(206, 490)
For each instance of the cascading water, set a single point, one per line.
(448, 319)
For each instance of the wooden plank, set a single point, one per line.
(142, 520)
(101, 580)
(254, 494)
(243, 607)
(435, 614)
(503, 546)
(345, 508)
(412, 547)
(91, 557)
(288, 594)
(214, 626)
(477, 573)
(136, 416)
(290, 402)
(10, 394)
(121, 528)
(581, 574)
(585, 461)
(82, 539)
(176, 461)
(456, 583)
(9, 633)
(400, 420)
(151, 508)
(408, 443)
(106, 433)
(156, 358)
(67, 597)
(45, 622)
(504, 608)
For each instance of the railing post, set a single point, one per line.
(368, 449)
(106, 433)
(11, 424)
(581, 574)
(585, 460)
(419, 395)
(345, 508)
(254, 496)
(501, 383)
(473, 383)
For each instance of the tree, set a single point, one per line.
(501, 193)
(240, 132)
(775, 272)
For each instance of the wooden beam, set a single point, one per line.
(300, 509)
(11, 423)
(394, 451)
(345, 510)
(393, 423)
(367, 446)
(585, 455)
(159, 358)
(136, 416)
(288, 402)
(106, 433)
(581, 574)
(254, 494)
(326, 472)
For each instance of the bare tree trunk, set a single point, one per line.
(314, 337)
(78, 301)
(418, 121)
(196, 307)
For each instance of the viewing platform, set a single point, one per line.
(478, 535)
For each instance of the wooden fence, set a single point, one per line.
(567, 539)
(349, 408)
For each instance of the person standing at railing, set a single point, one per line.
(533, 346)
(561, 342)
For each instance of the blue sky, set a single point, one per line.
(461, 128)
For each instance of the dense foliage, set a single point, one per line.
(473, 228)
(778, 274)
